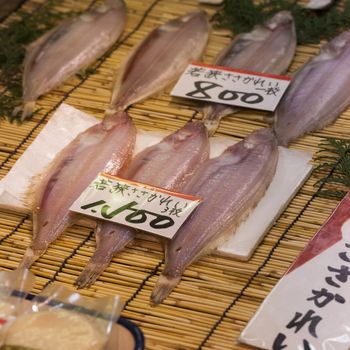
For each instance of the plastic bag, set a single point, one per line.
(60, 319)
(14, 286)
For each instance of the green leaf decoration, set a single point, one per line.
(311, 26)
(334, 168)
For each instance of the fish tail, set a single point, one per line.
(282, 140)
(211, 125)
(115, 107)
(110, 111)
(211, 119)
(163, 288)
(117, 118)
(30, 256)
(109, 242)
(27, 110)
(91, 273)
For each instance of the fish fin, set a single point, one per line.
(91, 273)
(33, 192)
(30, 195)
(37, 182)
(163, 288)
(30, 256)
(26, 110)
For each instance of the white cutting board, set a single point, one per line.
(67, 122)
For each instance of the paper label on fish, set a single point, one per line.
(309, 307)
(137, 205)
(234, 87)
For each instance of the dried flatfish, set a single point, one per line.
(318, 93)
(71, 46)
(231, 186)
(268, 48)
(107, 145)
(160, 58)
(168, 164)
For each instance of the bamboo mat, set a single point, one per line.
(217, 295)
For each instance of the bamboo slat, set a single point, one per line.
(217, 295)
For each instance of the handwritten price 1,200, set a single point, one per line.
(202, 88)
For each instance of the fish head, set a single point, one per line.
(189, 130)
(261, 136)
(117, 4)
(195, 17)
(116, 119)
(195, 22)
(255, 143)
(190, 137)
(279, 19)
(335, 47)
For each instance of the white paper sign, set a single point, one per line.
(309, 308)
(141, 206)
(234, 87)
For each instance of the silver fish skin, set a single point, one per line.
(268, 48)
(318, 93)
(71, 46)
(168, 164)
(107, 145)
(231, 185)
(159, 59)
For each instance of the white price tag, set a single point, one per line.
(135, 204)
(234, 87)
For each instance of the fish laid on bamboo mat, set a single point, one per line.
(218, 295)
(292, 170)
(71, 46)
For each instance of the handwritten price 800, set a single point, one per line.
(202, 88)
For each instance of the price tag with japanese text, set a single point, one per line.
(137, 205)
(234, 87)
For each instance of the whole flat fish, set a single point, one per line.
(160, 58)
(231, 185)
(168, 164)
(318, 94)
(71, 46)
(107, 145)
(268, 48)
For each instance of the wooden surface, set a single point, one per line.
(217, 296)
